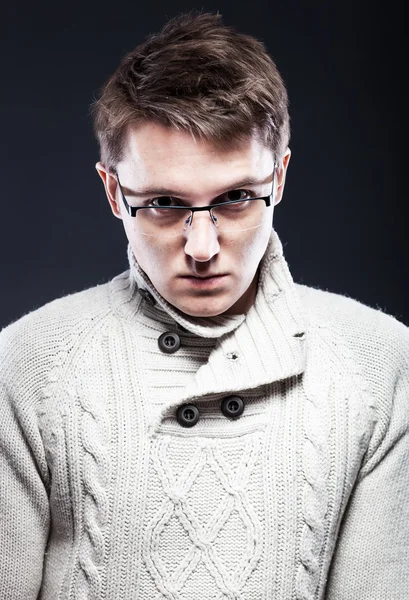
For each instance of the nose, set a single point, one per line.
(202, 241)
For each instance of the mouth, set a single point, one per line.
(204, 281)
(212, 276)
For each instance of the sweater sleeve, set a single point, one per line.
(371, 560)
(24, 508)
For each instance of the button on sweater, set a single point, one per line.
(104, 495)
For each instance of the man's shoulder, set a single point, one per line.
(73, 306)
(369, 332)
(39, 335)
(326, 304)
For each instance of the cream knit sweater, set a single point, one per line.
(104, 495)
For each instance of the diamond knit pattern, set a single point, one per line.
(206, 509)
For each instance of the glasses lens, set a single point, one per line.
(239, 216)
(158, 222)
(234, 217)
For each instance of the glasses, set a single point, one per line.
(167, 219)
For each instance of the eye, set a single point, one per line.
(236, 195)
(162, 201)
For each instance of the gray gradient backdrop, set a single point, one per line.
(343, 218)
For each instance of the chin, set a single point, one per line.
(201, 310)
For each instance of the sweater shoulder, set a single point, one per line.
(376, 340)
(35, 341)
(80, 305)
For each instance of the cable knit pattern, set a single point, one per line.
(95, 476)
(314, 500)
(203, 535)
(105, 496)
(95, 470)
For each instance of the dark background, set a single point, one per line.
(343, 217)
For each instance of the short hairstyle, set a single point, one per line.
(196, 75)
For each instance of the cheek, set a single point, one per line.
(249, 250)
(154, 256)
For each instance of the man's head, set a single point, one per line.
(192, 115)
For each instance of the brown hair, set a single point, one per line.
(199, 76)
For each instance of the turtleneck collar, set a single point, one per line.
(269, 286)
(208, 327)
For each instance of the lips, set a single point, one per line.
(210, 282)
(204, 276)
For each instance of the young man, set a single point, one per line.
(201, 426)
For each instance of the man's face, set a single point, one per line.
(203, 271)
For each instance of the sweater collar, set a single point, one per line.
(265, 345)
(207, 327)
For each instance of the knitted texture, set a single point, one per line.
(105, 496)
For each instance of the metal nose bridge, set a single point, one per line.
(189, 220)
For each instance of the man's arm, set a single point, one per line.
(24, 508)
(371, 560)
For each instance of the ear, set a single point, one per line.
(281, 172)
(111, 188)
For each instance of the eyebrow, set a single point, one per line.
(242, 183)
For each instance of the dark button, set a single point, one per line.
(187, 415)
(169, 342)
(147, 296)
(232, 406)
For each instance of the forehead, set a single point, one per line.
(160, 155)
